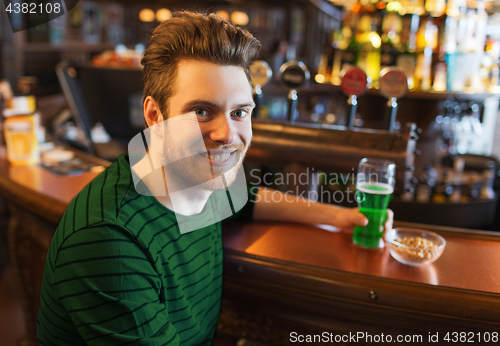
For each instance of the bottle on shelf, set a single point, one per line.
(350, 57)
(325, 64)
(346, 47)
(471, 190)
(443, 189)
(487, 191)
(407, 59)
(391, 25)
(457, 181)
(370, 42)
(439, 68)
(426, 41)
(427, 183)
(439, 44)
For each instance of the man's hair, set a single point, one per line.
(193, 36)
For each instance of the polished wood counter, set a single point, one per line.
(470, 260)
(280, 277)
(308, 276)
(40, 191)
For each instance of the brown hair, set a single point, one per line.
(195, 36)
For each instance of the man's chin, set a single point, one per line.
(223, 178)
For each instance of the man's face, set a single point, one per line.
(208, 128)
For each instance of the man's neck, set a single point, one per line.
(185, 202)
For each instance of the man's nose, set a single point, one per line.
(222, 129)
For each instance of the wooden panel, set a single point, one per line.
(476, 258)
(29, 239)
(340, 302)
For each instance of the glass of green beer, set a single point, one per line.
(374, 188)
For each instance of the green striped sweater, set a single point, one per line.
(118, 271)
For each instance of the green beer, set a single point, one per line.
(373, 200)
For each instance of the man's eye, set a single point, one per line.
(201, 112)
(240, 113)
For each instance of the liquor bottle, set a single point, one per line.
(325, 64)
(339, 44)
(388, 53)
(350, 57)
(389, 40)
(471, 192)
(425, 42)
(457, 181)
(427, 182)
(370, 51)
(443, 189)
(487, 191)
(439, 68)
(407, 60)
(461, 71)
(450, 44)
(477, 84)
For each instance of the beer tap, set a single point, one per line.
(260, 74)
(294, 74)
(393, 85)
(354, 83)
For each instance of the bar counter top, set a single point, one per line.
(470, 261)
(305, 274)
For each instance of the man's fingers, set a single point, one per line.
(390, 219)
(359, 219)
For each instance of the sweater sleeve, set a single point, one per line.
(111, 290)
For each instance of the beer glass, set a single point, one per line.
(374, 188)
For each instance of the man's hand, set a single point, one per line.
(353, 217)
(348, 219)
(390, 220)
(290, 208)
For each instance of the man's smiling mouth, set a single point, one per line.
(220, 158)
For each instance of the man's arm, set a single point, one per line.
(277, 206)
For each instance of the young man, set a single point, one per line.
(119, 270)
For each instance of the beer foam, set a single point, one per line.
(385, 189)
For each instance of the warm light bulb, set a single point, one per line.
(375, 39)
(163, 14)
(394, 6)
(223, 14)
(319, 78)
(239, 18)
(147, 15)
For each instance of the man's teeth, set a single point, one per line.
(222, 157)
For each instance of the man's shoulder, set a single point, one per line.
(101, 200)
(111, 199)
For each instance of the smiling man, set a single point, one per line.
(120, 270)
(200, 141)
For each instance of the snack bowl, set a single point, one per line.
(414, 246)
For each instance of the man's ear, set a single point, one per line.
(152, 113)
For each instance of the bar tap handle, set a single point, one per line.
(353, 83)
(294, 74)
(293, 113)
(260, 74)
(353, 102)
(393, 104)
(393, 85)
(257, 98)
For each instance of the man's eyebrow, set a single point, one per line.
(195, 103)
(243, 105)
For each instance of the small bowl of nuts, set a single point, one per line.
(413, 246)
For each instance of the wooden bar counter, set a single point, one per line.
(282, 278)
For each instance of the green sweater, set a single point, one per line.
(119, 272)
